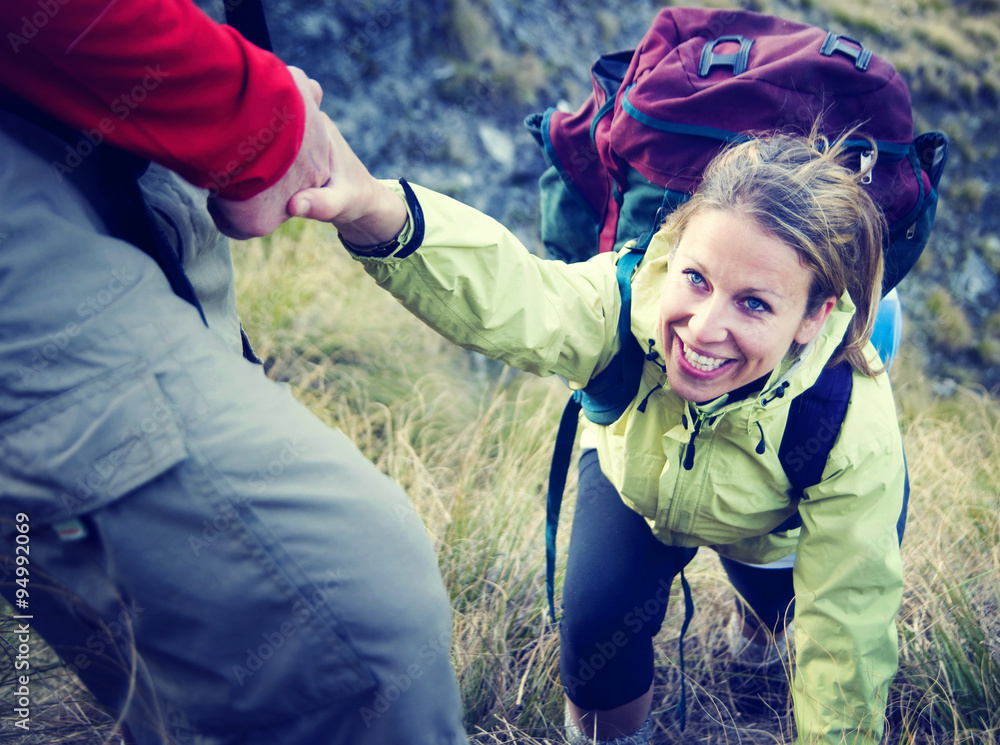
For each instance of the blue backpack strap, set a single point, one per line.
(815, 418)
(558, 472)
(609, 393)
(604, 399)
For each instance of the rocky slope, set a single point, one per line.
(437, 91)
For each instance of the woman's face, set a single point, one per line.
(733, 303)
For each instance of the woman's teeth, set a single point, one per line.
(705, 364)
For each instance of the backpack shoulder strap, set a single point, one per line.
(815, 418)
(248, 18)
(603, 400)
(608, 394)
(558, 471)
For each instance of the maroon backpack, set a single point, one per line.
(702, 78)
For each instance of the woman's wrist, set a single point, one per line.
(383, 223)
(370, 236)
(385, 248)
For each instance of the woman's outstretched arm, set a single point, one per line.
(467, 276)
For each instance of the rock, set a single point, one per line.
(976, 283)
(498, 144)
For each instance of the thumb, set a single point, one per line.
(314, 204)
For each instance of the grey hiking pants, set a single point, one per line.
(192, 528)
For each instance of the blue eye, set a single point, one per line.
(694, 277)
(757, 305)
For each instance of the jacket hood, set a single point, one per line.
(792, 376)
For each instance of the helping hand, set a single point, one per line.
(364, 210)
(262, 214)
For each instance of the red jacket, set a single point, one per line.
(160, 79)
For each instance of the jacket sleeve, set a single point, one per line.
(473, 282)
(159, 79)
(848, 578)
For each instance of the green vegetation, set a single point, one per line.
(950, 326)
(515, 75)
(471, 447)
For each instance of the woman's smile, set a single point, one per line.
(699, 362)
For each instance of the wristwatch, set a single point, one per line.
(405, 242)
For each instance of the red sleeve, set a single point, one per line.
(160, 79)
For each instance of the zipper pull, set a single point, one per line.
(689, 448)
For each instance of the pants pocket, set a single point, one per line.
(88, 446)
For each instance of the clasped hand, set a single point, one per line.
(326, 182)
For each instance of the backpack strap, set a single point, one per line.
(815, 418)
(558, 471)
(603, 401)
(248, 18)
(609, 393)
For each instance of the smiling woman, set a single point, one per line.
(769, 274)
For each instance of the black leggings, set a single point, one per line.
(618, 579)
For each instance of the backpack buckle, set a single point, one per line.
(867, 161)
(737, 60)
(835, 43)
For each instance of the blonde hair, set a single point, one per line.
(799, 191)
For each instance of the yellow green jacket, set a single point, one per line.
(476, 284)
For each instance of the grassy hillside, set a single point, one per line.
(471, 443)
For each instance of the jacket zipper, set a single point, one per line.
(689, 448)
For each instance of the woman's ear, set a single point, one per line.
(811, 326)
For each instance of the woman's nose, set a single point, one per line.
(708, 322)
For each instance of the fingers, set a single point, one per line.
(313, 166)
(307, 85)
